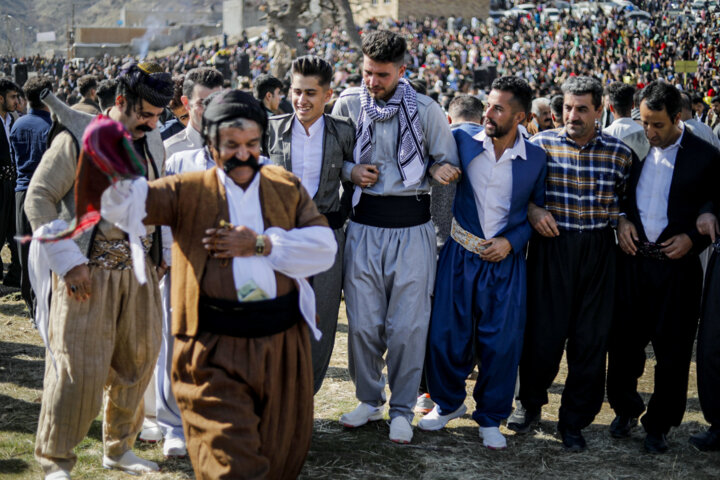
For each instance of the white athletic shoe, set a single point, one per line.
(435, 421)
(59, 475)
(174, 447)
(492, 438)
(400, 430)
(130, 463)
(362, 414)
(151, 432)
(424, 404)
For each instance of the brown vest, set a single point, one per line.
(193, 202)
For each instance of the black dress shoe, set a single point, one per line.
(522, 420)
(572, 439)
(656, 443)
(708, 441)
(622, 425)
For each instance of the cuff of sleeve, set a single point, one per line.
(63, 256)
(276, 236)
(347, 171)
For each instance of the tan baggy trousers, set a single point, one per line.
(109, 343)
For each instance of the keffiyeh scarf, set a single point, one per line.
(410, 136)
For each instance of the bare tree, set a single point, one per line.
(282, 17)
(348, 22)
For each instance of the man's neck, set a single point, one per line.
(584, 140)
(501, 144)
(676, 134)
(307, 125)
(194, 127)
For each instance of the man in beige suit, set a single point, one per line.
(104, 326)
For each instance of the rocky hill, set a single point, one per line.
(20, 20)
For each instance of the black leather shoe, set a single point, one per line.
(522, 421)
(622, 425)
(572, 439)
(656, 443)
(708, 441)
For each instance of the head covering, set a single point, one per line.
(148, 81)
(230, 105)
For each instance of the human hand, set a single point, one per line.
(77, 282)
(677, 246)
(445, 173)
(233, 242)
(364, 175)
(498, 249)
(542, 221)
(627, 236)
(707, 224)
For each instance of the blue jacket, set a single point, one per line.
(28, 141)
(528, 186)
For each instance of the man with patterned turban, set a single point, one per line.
(103, 330)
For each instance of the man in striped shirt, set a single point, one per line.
(571, 265)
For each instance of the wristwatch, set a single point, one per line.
(260, 245)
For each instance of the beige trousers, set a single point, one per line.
(109, 343)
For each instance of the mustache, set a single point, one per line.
(144, 128)
(491, 122)
(235, 162)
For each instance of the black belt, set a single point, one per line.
(335, 219)
(261, 318)
(392, 211)
(651, 250)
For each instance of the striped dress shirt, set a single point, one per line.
(584, 183)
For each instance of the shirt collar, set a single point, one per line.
(676, 143)
(314, 128)
(597, 138)
(39, 112)
(516, 151)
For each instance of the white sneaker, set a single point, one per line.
(400, 430)
(59, 475)
(435, 421)
(492, 438)
(151, 432)
(424, 403)
(362, 414)
(174, 447)
(130, 463)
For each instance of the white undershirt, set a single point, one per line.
(492, 181)
(653, 188)
(307, 151)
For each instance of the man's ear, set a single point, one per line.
(186, 102)
(120, 102)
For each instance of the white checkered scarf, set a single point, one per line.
(410, 142)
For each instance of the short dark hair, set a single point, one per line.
(265, 84)
(7, 86)
(207, 77)
(660, 95)
(697, 99)
(556, 105)
(313, 66)
(621, 97)
(520, 89)
(354, 78)
(715, 99)
(584, 85)
(419, 85)
(178, 81)
(86, 83)
(106, 92)
(686, 101)
(466, 108)
(384, 46)
(33, 87)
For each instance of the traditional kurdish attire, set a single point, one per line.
(479, 307)
(658, 299)
(390, 248)
(109, 342)
(317, 159)
(571, 278)
(242, 370)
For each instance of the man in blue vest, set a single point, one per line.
(479, 307)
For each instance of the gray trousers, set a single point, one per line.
(328, 290)
(388, 279)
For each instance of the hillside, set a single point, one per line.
(27, 17)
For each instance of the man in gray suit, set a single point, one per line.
(314, 146)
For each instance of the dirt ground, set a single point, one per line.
(364, 453)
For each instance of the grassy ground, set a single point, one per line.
(365, 453)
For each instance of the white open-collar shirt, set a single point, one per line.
(307, 152)
(492, 181)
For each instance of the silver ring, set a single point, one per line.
(73, 288)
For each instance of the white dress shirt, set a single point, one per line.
(298, 253)
(307, 152)
(6, 125)
(188, 139)
(653, 188)
(492, 181)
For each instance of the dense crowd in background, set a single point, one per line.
(445, 52)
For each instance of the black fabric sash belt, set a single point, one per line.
(335, 219)
(261, 318)
(392, 211)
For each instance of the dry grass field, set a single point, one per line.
(365, 453)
